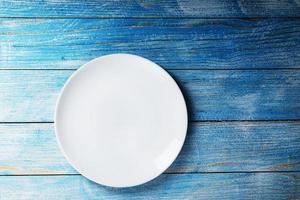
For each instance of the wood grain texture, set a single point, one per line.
(141, 8)
(171, 43)
(209, 147)
(169, 186)
(30, 95)
(220, 160)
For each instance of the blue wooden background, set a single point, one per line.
(237, 62)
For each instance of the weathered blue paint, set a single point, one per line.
(209, 147)
(168, 186)
(188, 34)
(172, 43)
(142, 8)
(30, 95)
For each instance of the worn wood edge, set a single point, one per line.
(202, 152)
(179, 44)
(226, 8)
(179, 186)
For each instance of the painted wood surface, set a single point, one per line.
(168, 186)
(142, 8)
(232, 61)
(210, 147)
(171, 43)
(30, 95)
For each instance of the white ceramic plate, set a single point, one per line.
(121, 120)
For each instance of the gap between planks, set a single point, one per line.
(150, 17)
(169, 173)
(190, 121)
(171, 69)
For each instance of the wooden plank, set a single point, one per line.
(209, 147)
(168, 186)
(167, 8)
(30, 149)
(30, 95)
(172, 43)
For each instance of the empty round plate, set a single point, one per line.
(121, 120)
